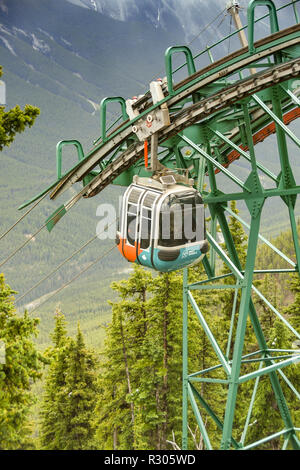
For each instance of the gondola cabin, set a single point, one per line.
(162, 225)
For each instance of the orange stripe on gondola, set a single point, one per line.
(128, 251)
(146, 153)
(261, 135)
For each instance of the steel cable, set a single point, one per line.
(206, 27)
(74, 278)
(23, 216)
(64, 262)
(31, 237)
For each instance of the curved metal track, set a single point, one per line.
(189, 115)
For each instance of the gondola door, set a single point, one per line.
(131, 223)
(146, 227)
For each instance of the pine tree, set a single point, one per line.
(55, 381)
(293, 310)
(77, 399)
(141, 371)
(266, 418)
(21, 368)
(157, 399)
(70, 393)
(228, 320)
(15, 121)
(227, 296)
(119, 371)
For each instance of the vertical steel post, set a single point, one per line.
(233, 9)
(287, 179)
(295, 11)
(185, 362)
(240, 332)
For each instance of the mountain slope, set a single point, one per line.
(64, 58)
(78, 54)
(49, 61)
(190, 15)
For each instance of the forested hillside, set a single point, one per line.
(49, 61)
(97, 365)
(128, 391)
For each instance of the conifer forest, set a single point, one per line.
(112, 337)
(127, 395)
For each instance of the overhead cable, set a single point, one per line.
(74, 278)
(32, 236)
(23, 216)
(63, 263)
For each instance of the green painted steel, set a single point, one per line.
(207, 146)
(59, 148)
(185, 362)
(274, 27)
(199, 419)
(103, 106)
(254, 196)
(168, 63)
(55, 217)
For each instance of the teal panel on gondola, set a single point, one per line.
(186, 257)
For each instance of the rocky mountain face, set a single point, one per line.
(190, 15)
(104, 47)
(77, 53)
(187, 14)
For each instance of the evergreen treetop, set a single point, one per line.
(15, 121)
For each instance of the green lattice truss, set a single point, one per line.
(273, 104)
